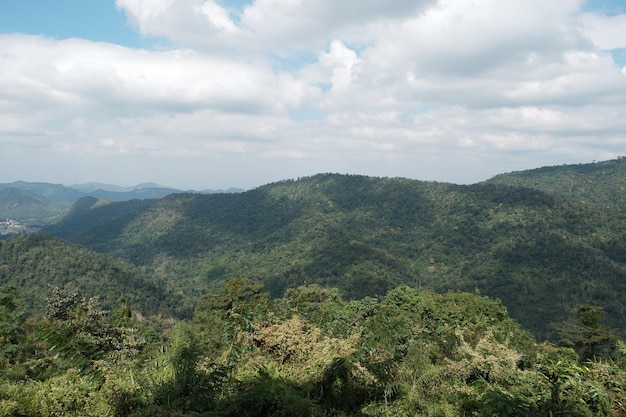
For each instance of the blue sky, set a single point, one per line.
(96, 20)
(101, 20)
(213, 94)
(608, 7)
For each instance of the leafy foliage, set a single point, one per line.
(587, 335)
(78, 331)
(410, 353)
(10, 321)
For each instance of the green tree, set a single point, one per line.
(197, 379)
(223, 318)
(10, 320)
(586, 334)
(79, 331)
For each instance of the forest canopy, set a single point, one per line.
(309, 353)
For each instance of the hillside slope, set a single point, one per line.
(541, 254)
(25, 206)
(33, 264)
(601, 183)
(90, 213)
(40, 203)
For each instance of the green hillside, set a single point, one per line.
(26, 206)
(89, 213)
(52, 192)
(34, 264)
(541, 254)
(39, 203)
(601, 183)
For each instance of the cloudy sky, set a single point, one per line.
(219, 93)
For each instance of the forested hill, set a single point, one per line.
(541, 254)
(602, 183)
(24, 206)
(34, 264)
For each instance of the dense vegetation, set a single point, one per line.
(33, 264)
(331, 295)
(541, 254)
(309, 353)
(602, 183)
(28, 207)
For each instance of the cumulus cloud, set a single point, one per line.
(276, 26)
(79, 75)
(426, 89)
(191, 23)
(607, 32)
(296, 24)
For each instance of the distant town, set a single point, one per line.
(13, 227)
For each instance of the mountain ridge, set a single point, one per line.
(602, 183)
(50, 201)
(366, 235)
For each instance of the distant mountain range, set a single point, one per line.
(39, 203)
(98, 186)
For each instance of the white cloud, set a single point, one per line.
(338, 68)
(278, 26)
(310, 23)
(464, 37)
(185, 22)
(607, 32)
(84, 76)
(452, 90)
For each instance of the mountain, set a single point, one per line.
(54, 199)
(540, 253)
(52, 192)
(98, 186)
(138, 193)
(116, 193)
(90, 214)
(38, 203)
(61, 193)
(602, 183)
(546, 254)
(27, 206)
(147, 185)
(231, 190)
(35, 263)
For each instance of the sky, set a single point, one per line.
(206, 94)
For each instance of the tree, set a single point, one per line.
(10, 319)
(224, 317)
(586, 334)
(79, 331)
